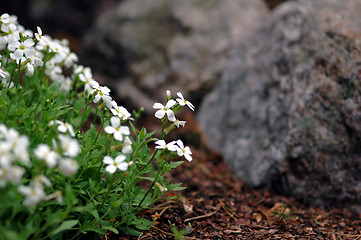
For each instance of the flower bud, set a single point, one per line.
(168, 94)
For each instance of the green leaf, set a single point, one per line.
(142, 223)
(110, 228)
(147, 178)
(95, 214)
(53, 88)
(94, 229)
(4, 97)
(148, 135)
(130, 231)
(27, 113)
(175, 164)
(60, 110)
(79, 104)
(89, 137)
(91, 173)
(67, 225)
(133, 128)
(176, 187)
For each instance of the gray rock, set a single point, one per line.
(151, 46)
(287, 112)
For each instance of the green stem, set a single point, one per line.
(11, 78)
(100, 129)
(8, 108)
(82, 119)
(7, 61)
(153, 183)
(155, 152)
(18, 79)
(96, 113)
(108, 191)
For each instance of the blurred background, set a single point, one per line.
(276, 84)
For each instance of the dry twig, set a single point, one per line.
(205, 215)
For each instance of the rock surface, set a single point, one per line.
(287, 112)
(151, 46)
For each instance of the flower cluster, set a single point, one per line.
(175, 146)
(169, 110)
(63, 137)
(15, 158)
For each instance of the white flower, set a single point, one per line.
(3, 42)
(30, 69)
(40, 180)
(121, 112)
(183, 102)
(103, 93)
(70, 59)
(64, 127)
(168, 94)
(33, 194)
(3, 73)
(6, 81)
(5, 154)
(3, 131)
(65, 86)
(4, 18)
(43, 40)
(127, 146)
(43, 152)
(117, 130)
(68, 166)
(161, 188)
(165, 110)
(163, 145)
(36, 60)
(184, 151)
(179, 123)
(11, 30)
(11, 174)
(21, 49)
(52, 69)
(57, 195)
(69, 146)
(85, 75)
(118, 163)
(19, 145)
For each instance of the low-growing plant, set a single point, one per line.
(71, 159)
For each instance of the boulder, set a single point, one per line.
(287, 112)
(151, 46)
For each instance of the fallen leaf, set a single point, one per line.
(186, 205)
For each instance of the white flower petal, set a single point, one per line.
(120, 158)
(115, 121)
(108, 160)
(171, 115)
(118, 136)
(179, 94)
(109, 129)
(158, 106)
(160, 114)
(124, 130)
(110, 169)
(123, 166)
(170, 103)
(180, 143)
(188, 157)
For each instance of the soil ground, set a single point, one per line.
(216, 205)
